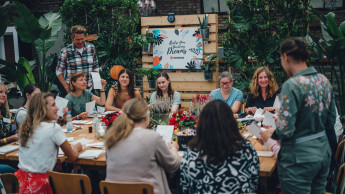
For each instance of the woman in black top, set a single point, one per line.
(263, 90)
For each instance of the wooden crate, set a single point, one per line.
(186, 82)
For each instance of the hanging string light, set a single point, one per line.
(146, 7)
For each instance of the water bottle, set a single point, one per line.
(69, 122)
(95, 120)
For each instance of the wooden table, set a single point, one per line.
(267, 164)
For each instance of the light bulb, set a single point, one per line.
(140, 4)
(153, 4)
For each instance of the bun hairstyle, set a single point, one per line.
(295, 48)
(134, 111)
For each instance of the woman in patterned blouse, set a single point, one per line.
(219, 160)
(263, 91)
(7, 135)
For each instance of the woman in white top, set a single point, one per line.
(136, 154)
(40, 138)
(164, 89)
(29, 91)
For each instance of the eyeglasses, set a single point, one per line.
(225, 83)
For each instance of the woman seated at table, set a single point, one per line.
(263, 90)
(7, 135)
(137, 154)
(79, 96)
(219, 159)
(117, 96)
(40, 139)
(232, 96)
(29, 91)
(164, 89)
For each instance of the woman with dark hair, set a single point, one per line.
(79, 95)
(164, 89)
(263, 90)
(39, 142)
(117, 96)
(305, 125)
(29, 91)
(218, 159)
(136, 154)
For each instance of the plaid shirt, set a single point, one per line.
(71, 60)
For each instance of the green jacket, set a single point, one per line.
(307, 108)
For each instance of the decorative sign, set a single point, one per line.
(177, 49)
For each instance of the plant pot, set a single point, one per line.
(147, 48)
(152, 83)
(208, 75)
(205, 33)
(183, 142)
(220, 52)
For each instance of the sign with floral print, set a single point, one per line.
(177, 49)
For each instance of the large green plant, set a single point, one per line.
(255, 32)
(116, 22)
(43, 33)
(332, 45)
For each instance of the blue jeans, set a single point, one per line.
(6, 169)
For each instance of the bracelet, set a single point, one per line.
(101, 91)
(4, 140)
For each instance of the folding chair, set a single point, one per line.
(10, 183)
(62, 183)
(339, 154)
(126, 187)
(340, 180)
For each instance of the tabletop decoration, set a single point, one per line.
(109, 118)
(198, 103)
(182, 120)
(160, 109)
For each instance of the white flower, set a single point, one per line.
(286, 113)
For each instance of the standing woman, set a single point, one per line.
(40, 139)
(219, 159)
(29, 91)
(264, 89)
(125, 91)
(79, 96)
(232, 96)
(164, 89)
(7, 135)
(137, 154)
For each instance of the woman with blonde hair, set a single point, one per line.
(79, 95)
(7, 135)
(132, 149)
(264, 89)
(40, 139)
(117, 96)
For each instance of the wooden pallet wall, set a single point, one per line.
(186, 82)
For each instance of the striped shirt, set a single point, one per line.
(72, 61)
(235, 95)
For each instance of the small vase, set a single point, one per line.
(205, 33)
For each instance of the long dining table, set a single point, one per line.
(267, 164)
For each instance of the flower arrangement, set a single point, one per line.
(182, 119)
(198, 103)
(160, 109)
(109, 118)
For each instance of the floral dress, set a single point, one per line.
(5, 128)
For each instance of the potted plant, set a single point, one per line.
(146, 42)
(204, 28)
(151, 75)
(208, 67)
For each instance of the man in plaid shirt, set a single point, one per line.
(77, 56)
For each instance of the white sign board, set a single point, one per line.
(177, 49)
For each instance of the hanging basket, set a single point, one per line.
(152, 83)
(208, 75)
(205, 33)
(147, 48)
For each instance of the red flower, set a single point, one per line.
(109, 118)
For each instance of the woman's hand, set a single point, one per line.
(104, 83)
(173, 145)
(251, 110)
(83, 115)
(12, 138)
(269, 109)
(77, 147)
(265, 135)
(65, 110)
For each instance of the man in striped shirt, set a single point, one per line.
(77, 56)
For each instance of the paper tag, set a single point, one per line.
(277, 104)
(60, 103)
(269, 120)
(96, 78)
(6, 120)
(255, 129)
(89, 107)
(166, 131)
